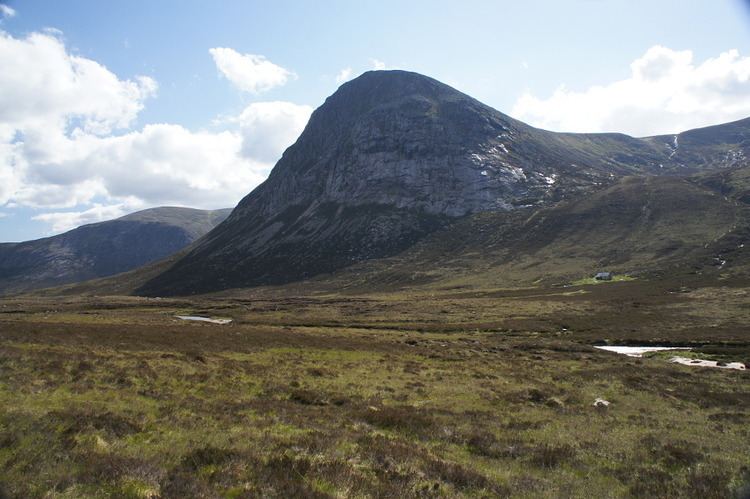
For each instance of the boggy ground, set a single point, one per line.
(437, 393)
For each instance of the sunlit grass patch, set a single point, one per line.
(593, 280)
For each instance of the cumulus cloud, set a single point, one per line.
(43, 84)
(343, 75)
(349, 73)
(160, 164)
(64, 221)
(666, 92)
(377, 65)
(10, 178)
(270, 127)
(67, 141)
(249, 72)
(6, 11)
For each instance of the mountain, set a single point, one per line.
(102, 249)
(393, 156)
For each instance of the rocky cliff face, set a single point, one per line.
(388, 158)
(405, 140)
(102, 249)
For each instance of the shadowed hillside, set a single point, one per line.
(102, 249)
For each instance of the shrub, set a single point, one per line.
(403, 418)
(551, 455)
(486, 444)
(709, 482)
(308, 397)
(464, 478)
(206, 456)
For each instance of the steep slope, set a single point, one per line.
(389, 158)
(722, 146)
(102, 249)
(733, 183)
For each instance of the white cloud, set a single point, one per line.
(47, 195)
(10, 177)
(344, 75)
(249, 72)
(160, 164)
(377, 65)
(6, 11)
(64, 221)
(67, 143)
(270, 127)
(43, 84)
(348, 73)
(666, 92)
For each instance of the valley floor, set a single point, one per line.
(431, 393)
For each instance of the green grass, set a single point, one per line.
(593, 280)
(438, 394)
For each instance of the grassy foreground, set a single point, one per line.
(439, 394)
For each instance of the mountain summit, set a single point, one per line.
(390, 157)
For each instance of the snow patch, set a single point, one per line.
(637, 351)
(508, 134)
(685, 361)
(515, 171)
(551, 179)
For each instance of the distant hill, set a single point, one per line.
(102, 249)
(394, 156)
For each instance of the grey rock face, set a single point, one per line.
(407, 141)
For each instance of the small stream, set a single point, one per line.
(203, 319)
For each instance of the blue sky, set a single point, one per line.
(537, 60)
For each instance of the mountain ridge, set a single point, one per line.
(103, 248)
